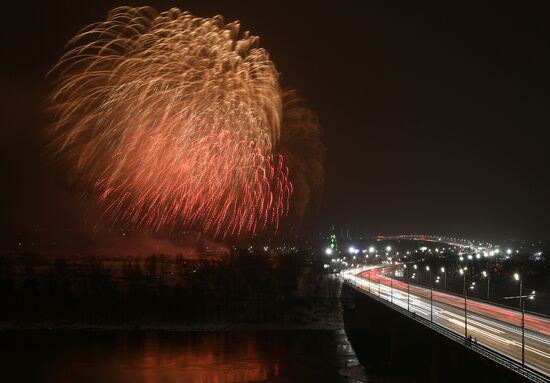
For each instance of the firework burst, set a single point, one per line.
(173, 120)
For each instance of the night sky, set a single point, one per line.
(435, 118)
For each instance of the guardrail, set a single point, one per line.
(495, 356)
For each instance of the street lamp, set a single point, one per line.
(517, 278)
(522, 305)
(487, 274)
(522, 299)
(408, 287)
(431, 295)
(413, 276)
(391, 288)
(445, 279)
(463, 273)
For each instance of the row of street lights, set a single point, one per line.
(522, 298)
(484, 273)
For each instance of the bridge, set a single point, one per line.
(519, 343)
(451, 241)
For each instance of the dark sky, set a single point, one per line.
(435, 118)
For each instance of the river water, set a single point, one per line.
(209, 357)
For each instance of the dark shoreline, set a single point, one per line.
(269, 326)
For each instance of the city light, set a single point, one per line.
(388, 248)
(353, 250)
(516, 276)
(372, 249)
(328, 251)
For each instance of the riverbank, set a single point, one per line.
(323, 324)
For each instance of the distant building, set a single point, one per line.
(333, 241)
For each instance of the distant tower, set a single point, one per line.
(333, 242)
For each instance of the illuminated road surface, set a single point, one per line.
(495, 327)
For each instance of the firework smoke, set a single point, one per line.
(176, 120)
(300, 145)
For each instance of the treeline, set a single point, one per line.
(242, 287)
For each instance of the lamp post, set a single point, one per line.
(522, 299)
(518, 278)
(444, 279)
(522, 305)
(463, 273)
(488, 279)
(391, 290)
(408, 287)
(522, 331)
(487, 275)
(413, 276)
(431, 294)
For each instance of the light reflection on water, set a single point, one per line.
(213, 357)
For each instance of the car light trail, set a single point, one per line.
(491, 326)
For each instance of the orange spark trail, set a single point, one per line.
(172, 120)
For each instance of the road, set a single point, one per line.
(495, 327)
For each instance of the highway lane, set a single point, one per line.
(532, 322)
(491, 326)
